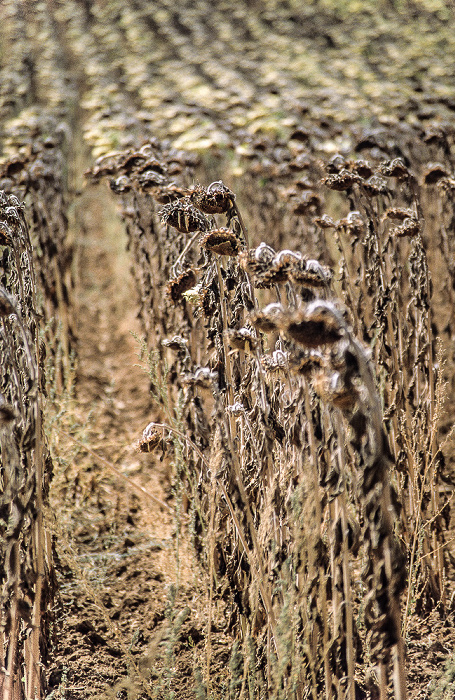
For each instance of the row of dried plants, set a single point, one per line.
(27, 578)
(305, 401)
(36, 332)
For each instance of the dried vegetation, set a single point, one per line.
(306, 399)
(298, 324)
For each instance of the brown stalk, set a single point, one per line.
(340, 505)
(242, 224)
(11, 665)
(312, 564)
(211, 539)
(38, 542)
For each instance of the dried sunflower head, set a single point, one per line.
(120, 184)
(324, 221)
(177, 342)
(447, 185)
(149, 179)
(6, 235)
(375, 186)
(236, 409)
(267, 320)
(181, 284)
(352, 224)
(398, 213)
(263, 253)
(11, 216)
(393, 168)
(150, 442)
(312, 326)
(203, 378)
(257, 260)
(343, 180)
(310, 333)
(151, 439)
(305, 362)
(307, 203)
(331, 388)
(361, 167)
(276, 362)
(169, 193)
(336, 164)
(278, 271)
(7, 413)
(182, 215)
(434, 172)
(242, 339)
(6, 304)
(222, 241)
(269, 268)
(214, 199)
(152, 163)
(409, 228)
(14, 165)
(105, 165)
(208, 301)
(13, 201)
(434, 135)
(310, 273)
(133, 160)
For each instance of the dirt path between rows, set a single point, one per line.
(124, 573)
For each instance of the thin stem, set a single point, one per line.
(242, 224)
(190, 243)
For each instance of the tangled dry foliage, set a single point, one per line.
(297, 324)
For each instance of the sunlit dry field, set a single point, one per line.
(227, 316)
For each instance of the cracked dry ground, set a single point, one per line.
(123, 570)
